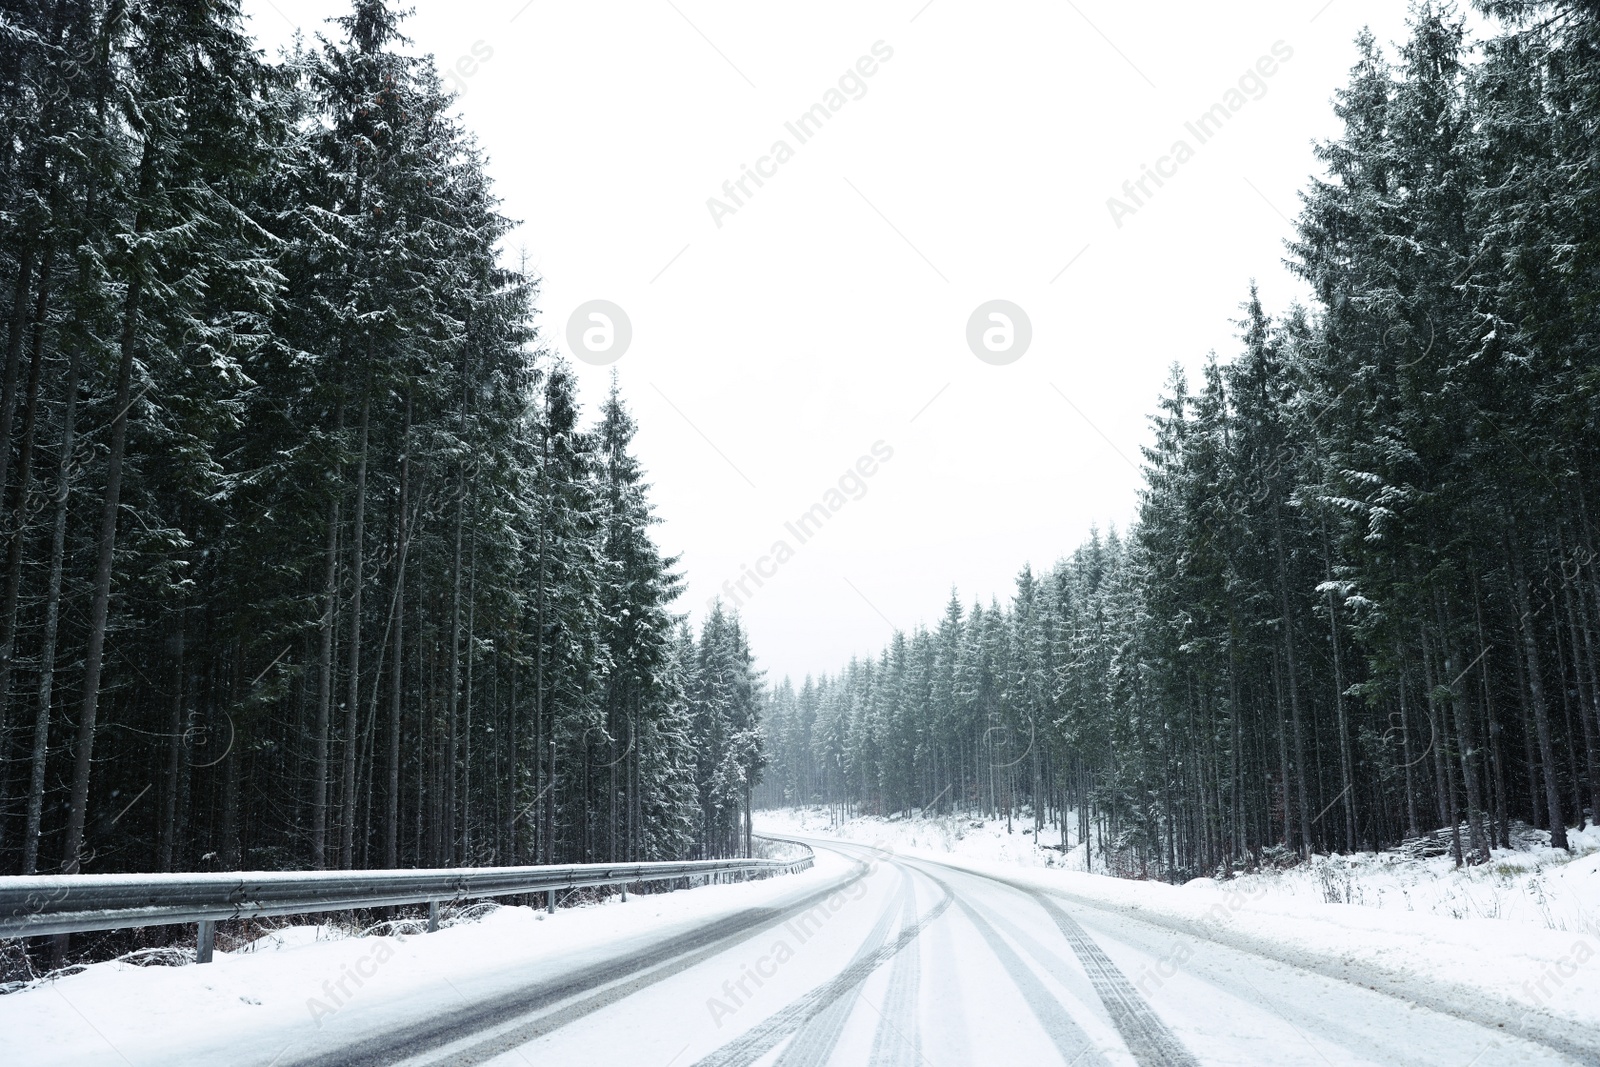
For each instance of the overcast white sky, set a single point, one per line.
(830, 310)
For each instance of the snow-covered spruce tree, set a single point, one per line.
(353, 585)
(641, 701)
(724, 702)
(1361, 603)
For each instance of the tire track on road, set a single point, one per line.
(755, 1043)
(550, 1004)
(1070, 1039)
(1464, 1004)
(897, 1041)
(815, 1041)
(1148, 1039)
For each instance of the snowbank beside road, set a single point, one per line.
(1535, 884)
(308, 989)
(1517, 942)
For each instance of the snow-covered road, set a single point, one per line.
(873, 958)
(912, 962)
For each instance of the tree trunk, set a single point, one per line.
(1412, 829)
(20, 514)
(352, 718)
(391, 825)
(1587, 703)
(467, 696)
(1496, 754)
(1444, 769)
(330, 611)
(99, 610)
(546, 815)
(13, 358)
(176, 730)
(1346, 764)
(52, 619)
(1292, 671)
(1529, 753)
(1541, 714)
(1283, 754)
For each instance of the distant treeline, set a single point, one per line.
(1361, 599)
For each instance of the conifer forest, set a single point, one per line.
(311, 559)
(1361, 600)
(699, 534)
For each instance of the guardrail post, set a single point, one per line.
(550, 905)
(624, 892)
(433, 916)
(206, 941)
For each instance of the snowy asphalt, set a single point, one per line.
(910, 962)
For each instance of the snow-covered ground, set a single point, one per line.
(1523, 931)
(922, 952)
(1539, 885)
(303, 989)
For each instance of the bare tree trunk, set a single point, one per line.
(1496, 755)
(1235, 769)
(352, 718)
(546, 815)
(1412, 829)
(20, 514)
(1466, 734)
(615, 774)
(1293, 674)
(466, 699)
(391, 830)
(52, 620)
(1570, 734)
(232, 850)
(13, 358)
(513, 770)
(1587, 702)
(453, 704)
(1346, 764)
(1444, 769)
(1529, 752)
(1469, 765)
(425, 851)
(99, 610)
(1085, 814)
(330, 610)
(176, 728)
(1283, 754)
(1541, 713)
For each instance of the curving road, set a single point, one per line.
(910, 962)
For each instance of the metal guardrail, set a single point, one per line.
(39, 905)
